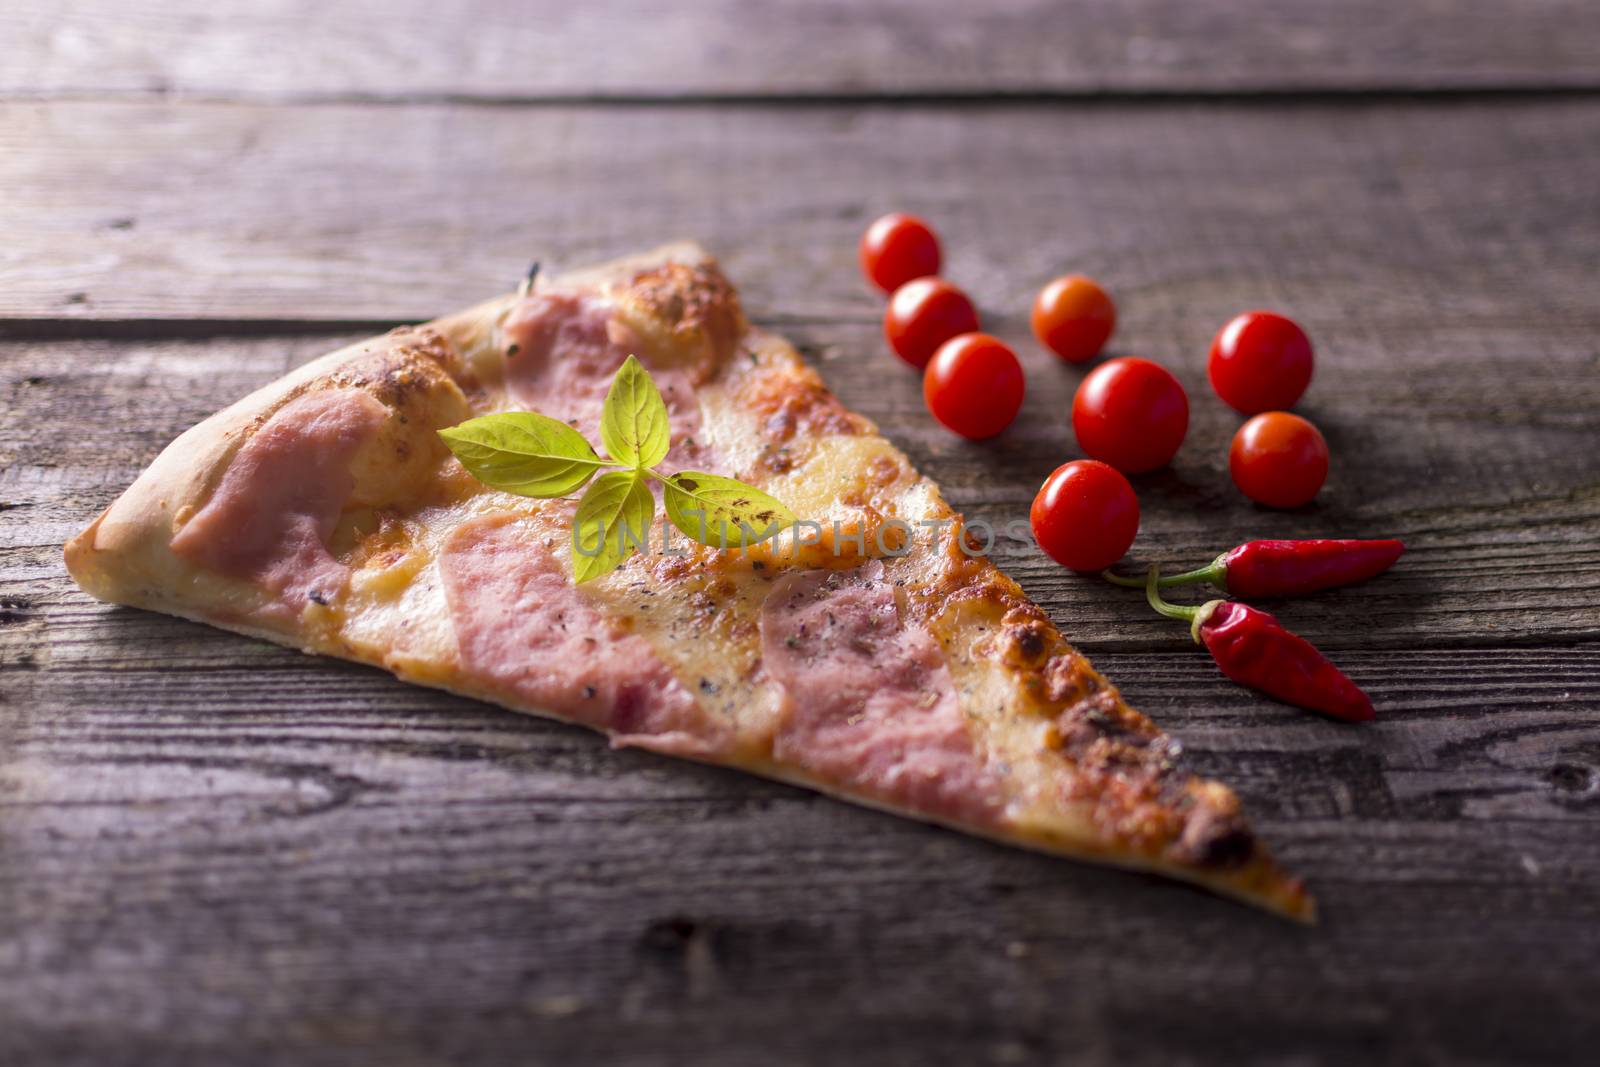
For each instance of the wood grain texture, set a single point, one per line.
(214, 850)
(1468, 214)
(320, 863)
(323, 862)
(1491, 482)
(498, 50)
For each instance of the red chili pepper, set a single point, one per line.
(1287, 568)
(1253, 648)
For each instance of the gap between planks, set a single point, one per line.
(206, 328)
(1268, 95)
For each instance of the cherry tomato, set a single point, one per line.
(1073, 317)
(1130, 413)
(1278, 459)
(973, 385)
(1085, 515)
(1260, 362)
(896, 249)
(922, 315)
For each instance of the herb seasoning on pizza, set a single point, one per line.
(429, 502)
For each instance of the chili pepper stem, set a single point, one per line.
(1215, 572)
(1171, 611)
(1195, 617)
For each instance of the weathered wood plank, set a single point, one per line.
(1493, 483)
(317, 859)
(496, 49)
(213, 849)
(277, 836)
(1469, 214)
(1473, 735)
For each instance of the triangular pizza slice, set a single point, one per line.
(324, 512)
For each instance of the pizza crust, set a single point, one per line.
(124, 556)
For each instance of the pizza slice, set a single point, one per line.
(325, 512)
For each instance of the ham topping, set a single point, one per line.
(524, 630)
(270, 517)
(870, 701)
(562, 349)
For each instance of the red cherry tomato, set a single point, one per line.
(1278, 459)
(1085, 516)
(1260, 362)
(922, 315)
(1130, 413)
(896, 249)
(973, 385)
(1073, 317)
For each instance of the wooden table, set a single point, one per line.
(213, 850)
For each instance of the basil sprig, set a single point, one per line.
(534, 455)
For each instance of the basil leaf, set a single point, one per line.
(721, 512)
(633, 425)
(612, 523)
(523, 452)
